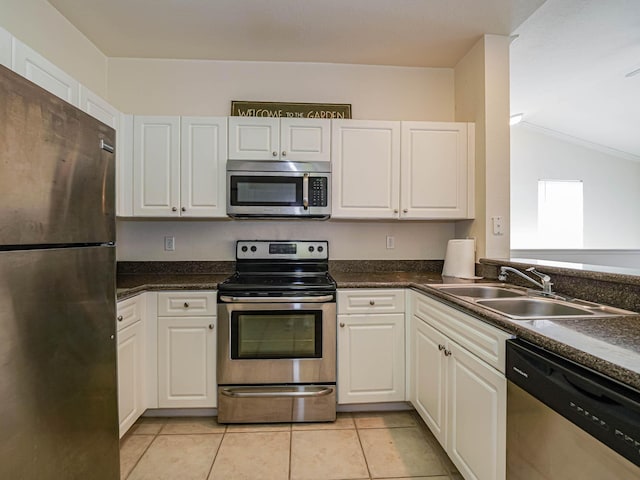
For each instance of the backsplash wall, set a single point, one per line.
(143, 240)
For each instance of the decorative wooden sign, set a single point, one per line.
(290, 110)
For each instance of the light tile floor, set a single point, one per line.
(356, 446)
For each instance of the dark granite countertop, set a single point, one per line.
(131, 285)
(608, 345)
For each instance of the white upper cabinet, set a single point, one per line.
(99, 108)
(203, 148)
(179, 166)
(33, 66)
(297, 140)
(156, 166)
(436, 170)
(305, 140)
(402, 170)
(6, 40)
(365, 169)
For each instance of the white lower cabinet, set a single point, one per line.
(371, 353)
(131, 361)
(457, 391)
(187, 352)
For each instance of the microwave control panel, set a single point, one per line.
(318, 191)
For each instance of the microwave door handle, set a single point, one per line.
(305, 191)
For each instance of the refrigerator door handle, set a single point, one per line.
(106, 146)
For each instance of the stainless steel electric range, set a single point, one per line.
(277, 334)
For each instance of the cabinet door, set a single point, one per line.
(254, 138)
(99, 108)
(305, 139)
(366, 169)
(6, 39)
(124, 166)
(33, 66)
(477, 416)
(203, 159)
(429, 368)
(130, 375)
(371, 358)
(156, 166)
(186, 362)
(434, 170)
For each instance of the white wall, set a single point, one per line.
(201, 87)
(215, 240)
(611, 188)
(40, 26)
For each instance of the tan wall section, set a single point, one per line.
(40, 26)
(198, 87)
(482, 96)
(215, 240)
(470, 107)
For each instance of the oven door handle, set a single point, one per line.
(318, 299)
(261, 392)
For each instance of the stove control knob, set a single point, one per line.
(320, 248)
(311, 248)
(244, 248)
(253, 248)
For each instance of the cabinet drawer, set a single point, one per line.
(481, 339)
(370, 301)
(191, 303)
(129, 311)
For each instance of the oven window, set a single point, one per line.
(276, 334)
(266, 191)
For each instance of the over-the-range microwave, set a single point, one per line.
(278, 189)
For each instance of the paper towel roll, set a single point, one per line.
(460, 261)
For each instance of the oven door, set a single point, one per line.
(276, 343)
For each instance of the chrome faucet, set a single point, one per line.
(545, 280)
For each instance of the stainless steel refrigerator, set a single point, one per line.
(58, 385)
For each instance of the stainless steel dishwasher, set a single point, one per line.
(565, 421)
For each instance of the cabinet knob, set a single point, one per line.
(447, 353)
(275, 154)
(186, 305)
(372, 302)
(174, 209)
(404, 210)
(120, 318)
(183, 209)
(284, 154)
(440, 347)
(395, 210)
(211, 326)
(341, 325)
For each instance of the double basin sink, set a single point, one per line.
(519, 303)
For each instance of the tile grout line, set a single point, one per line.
(364, 455)
(215, 456)
(290, 448)
(145, 451)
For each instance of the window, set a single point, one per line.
(560, 216)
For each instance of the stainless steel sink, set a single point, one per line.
(528, 308)
(519, 303)
(481, 291)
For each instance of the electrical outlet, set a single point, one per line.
(391, 242)
(498, 225)
(170, 243)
